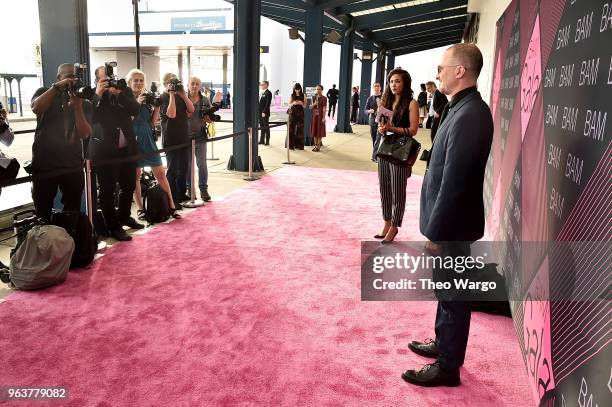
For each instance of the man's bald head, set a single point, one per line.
(65, 70)
(468, 55)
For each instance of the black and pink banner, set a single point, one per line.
(549, 179)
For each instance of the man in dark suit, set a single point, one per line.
(438, 102)
(332, 101)
(452, 209)
(264, 113)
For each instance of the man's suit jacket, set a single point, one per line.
(264, 102)
(439, 101)
(452, 207)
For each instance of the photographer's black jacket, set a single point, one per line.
(56, 142)
(264, 102)
(174, 131)
(112, 113)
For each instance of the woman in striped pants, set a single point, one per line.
(398, 97)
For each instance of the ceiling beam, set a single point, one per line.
(326, 4)
(424, 47)
(363, 6)
(399, 48)
(396, 33)
(421, 12)
(422, 39)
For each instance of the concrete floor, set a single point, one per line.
(340, 151)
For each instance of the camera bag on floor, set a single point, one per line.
(154, 199)
(80, 229)
(43, 258)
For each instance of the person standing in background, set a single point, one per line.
(371, 109)
(198, 130)
(332, 99)
(265, 100)
(297, 102)
(422, 102)
(317, 124)
(438, 102)
(354, 105)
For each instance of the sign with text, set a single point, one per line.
(207, 23)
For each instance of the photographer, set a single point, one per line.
(175, 105)
(143, 125)
(114, 106)
(198, 121)
(62, 120)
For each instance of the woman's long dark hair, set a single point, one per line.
(297, 86)
(406, 96)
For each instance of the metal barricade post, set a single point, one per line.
(250, 137)
(288, 148)
(89, 198)
(212, 152)
(193, 203)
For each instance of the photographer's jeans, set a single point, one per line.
(200, 154)
(177, 161)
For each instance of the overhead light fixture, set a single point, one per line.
(333, 36)
(294, 34)
(367, 55)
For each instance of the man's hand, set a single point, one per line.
(433, 248)
(75, 103)
(102, 86)
(436, 115)
(64, 83)
(263, 115)
(140, 99)
(206, 119)
(371, 111)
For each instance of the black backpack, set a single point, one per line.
(82, 232)
(154, 199)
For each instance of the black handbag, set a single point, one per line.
(400, 150)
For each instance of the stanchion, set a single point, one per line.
(250, 177)
(193, 203)
(288, 153)
(88, 198)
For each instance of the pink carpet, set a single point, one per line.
(251, 301)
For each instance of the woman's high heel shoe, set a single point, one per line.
(174, 213)
(385, 241)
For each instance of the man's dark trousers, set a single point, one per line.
(331, 109)
(43, 192)
(123, 173)
(177, 161)
(453, 315)
(264, 124)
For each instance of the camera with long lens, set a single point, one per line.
(113, 80)
(176, 85)
(152, 97)
(79, 88)
(210, 112)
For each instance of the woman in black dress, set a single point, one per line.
(296, 118)
(392, 177)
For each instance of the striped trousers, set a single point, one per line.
(392, 180)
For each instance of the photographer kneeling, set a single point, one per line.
(198, 130)
(175, 105)
(115, 139)
(62, 120)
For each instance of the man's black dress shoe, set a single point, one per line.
(432, 375)
(429, 349)
(131, 223)
(120, 235)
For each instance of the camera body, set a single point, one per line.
(210, 112)
(113, 81)
(79, 88)
(151, 99)
(176, 85)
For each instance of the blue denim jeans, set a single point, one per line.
(200, 154)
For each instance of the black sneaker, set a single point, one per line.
(205, 196)
(120, 235)
(131, 223)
